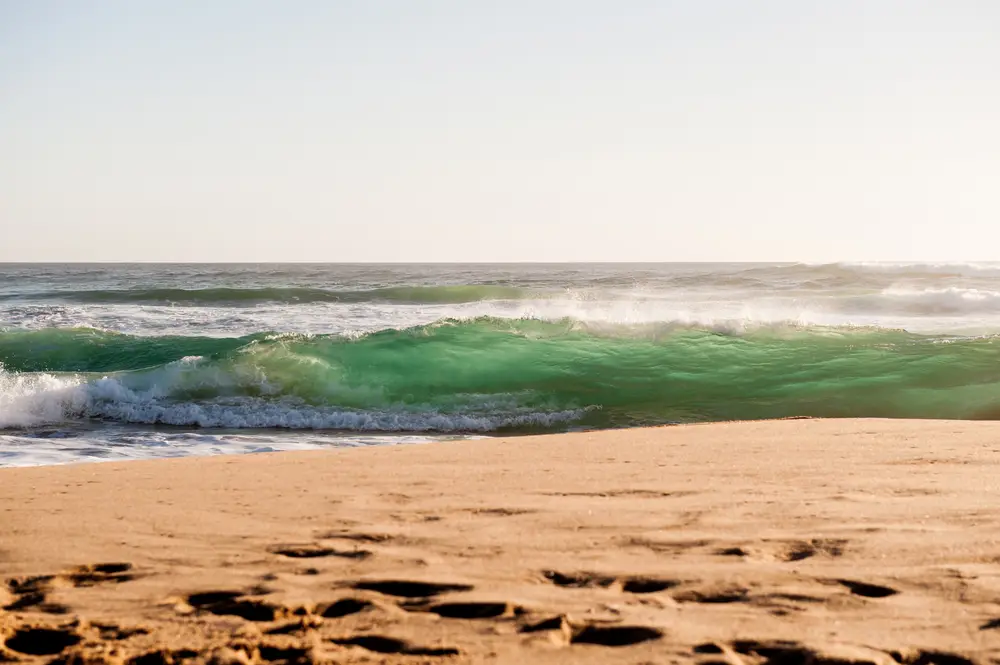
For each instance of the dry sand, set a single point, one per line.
(783, 542)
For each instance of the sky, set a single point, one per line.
(522, 130)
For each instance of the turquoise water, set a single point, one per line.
(103, 362)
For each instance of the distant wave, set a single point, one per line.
(951, 300)
(925, 269)
(918, 302)
(694, 280)
(493, 374)
(292, 295)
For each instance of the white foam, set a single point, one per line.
(110, 442)
(882, 303)
(29, 400)
(32, 400)
(254, 413)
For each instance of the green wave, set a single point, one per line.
(90, 350)
(618, 375)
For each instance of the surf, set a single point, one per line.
(496, 375)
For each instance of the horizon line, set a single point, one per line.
(567, 262)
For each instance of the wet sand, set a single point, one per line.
(784, 542)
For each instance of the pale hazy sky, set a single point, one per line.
(513, 130)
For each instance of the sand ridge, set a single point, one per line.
(784, 542)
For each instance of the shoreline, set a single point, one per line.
(752, 541)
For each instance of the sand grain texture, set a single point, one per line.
(789, 542)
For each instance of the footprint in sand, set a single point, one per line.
(615, 636)
(42, 641)
(315, 551)
(409, 589)
(867, 590)
(637, 584)
(344, 607)
(788, 551)
(601, 635)
(579, 580)
(486, 610)
(390, 645)
(31, 593)
(785, 652)
(236, 603)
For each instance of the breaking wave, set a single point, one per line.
(490, 374)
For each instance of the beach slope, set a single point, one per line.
(824, 541)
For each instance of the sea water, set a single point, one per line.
(118, 361)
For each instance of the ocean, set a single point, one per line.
(118, 361)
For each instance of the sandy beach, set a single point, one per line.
(797, 541)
